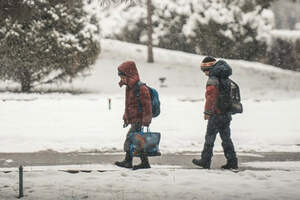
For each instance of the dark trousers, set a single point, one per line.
(219, 123)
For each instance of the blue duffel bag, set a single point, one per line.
(147, 142)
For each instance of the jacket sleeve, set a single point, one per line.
(125, 118)
(211, 96)
(146, 105)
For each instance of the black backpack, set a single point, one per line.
(229, 98)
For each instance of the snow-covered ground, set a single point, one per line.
(65, 122)
(160, 182)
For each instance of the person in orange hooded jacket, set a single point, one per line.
(133, 115)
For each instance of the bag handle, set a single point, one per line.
(143, 129)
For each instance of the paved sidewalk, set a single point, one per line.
(8, 160)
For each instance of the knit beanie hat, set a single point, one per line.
(207, 63)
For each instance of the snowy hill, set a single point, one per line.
(64, 122)
(183, 74)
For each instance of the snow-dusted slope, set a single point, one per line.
(184, 77)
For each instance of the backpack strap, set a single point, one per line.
(137, 93)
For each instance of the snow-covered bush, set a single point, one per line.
(50, 40)
(285, 50)
(128, 22)
(232, 29)
(169, 19)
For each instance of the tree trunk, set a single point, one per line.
(150, 30)
(297, 53)
(25, 81)
(25, 87)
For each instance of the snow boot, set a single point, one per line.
(144, 164)
(206, 156)
(202, 163)
(231, 165)
(127, 163)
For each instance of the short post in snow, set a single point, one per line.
(21, 194)
(109, 103)
(162, 80)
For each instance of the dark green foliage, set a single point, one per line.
(133, 35)
(173, 38)
(209, 40)
(239, 37)
(285, 54)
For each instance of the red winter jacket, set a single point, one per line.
(132, 115)
(211, 96)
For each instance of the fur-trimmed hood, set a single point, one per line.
(131, 72)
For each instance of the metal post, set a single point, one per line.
(21, 182)
(109, 103)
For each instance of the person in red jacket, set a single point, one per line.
(136, 115)
(218, 118)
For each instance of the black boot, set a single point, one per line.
(206, 156)
(229, 152)
(205, 164)
(231, 165)
(127, 163)
(144, 164)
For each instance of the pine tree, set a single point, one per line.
(50, 40)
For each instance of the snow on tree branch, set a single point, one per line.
(107, 3)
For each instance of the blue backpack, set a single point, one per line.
(154, 99)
